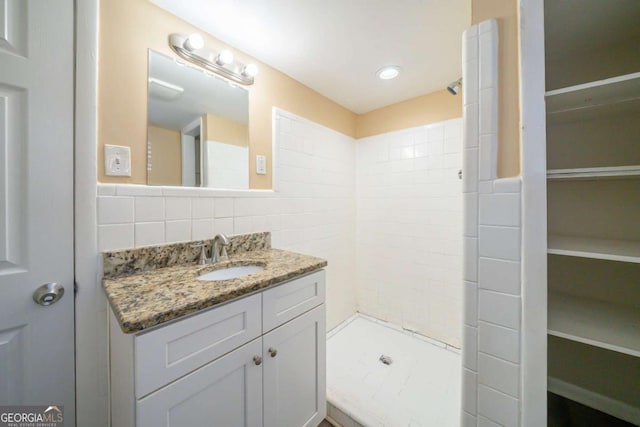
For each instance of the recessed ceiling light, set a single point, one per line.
(389, 72)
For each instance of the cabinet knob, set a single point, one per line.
(273, 352)
(257, 360)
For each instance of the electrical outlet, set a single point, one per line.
(261, 165)
(117, 160)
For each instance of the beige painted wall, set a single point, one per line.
(127, 29)
(506, 13)
(166, 154)
(122, 119)
(422, 110)
(222, 130)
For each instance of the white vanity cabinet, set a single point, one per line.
(257, 361)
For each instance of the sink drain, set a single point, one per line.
(386, 360)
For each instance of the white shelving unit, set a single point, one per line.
(593, 135)
(610, 326)
(614, 172)
(615, 90)
(584, 247)
(594, 400)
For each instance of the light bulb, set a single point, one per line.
(224, 57)
(193, 42)
(388, 73)
(250, 70)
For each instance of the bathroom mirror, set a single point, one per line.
(197, 127)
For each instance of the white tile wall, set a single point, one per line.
(409, 228)
(492, 247)
(313, 212)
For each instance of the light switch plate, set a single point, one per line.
(117, 160)
(261, 165)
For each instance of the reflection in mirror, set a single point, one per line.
(198, 127)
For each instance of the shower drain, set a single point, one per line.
(386, 360)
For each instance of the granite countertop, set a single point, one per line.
(146, 299)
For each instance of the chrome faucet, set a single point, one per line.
(219, 251)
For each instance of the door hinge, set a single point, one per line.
(75, 287)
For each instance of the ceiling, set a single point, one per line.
(336, 46)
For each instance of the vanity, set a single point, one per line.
(246, 351)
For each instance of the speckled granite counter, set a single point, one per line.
(149, 298)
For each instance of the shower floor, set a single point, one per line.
(421, 386)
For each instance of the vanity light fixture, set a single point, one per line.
(250, 70)
(221, 62)
(388, 72)
(193, 42)
(224, 57)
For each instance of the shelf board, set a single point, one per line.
(595, 400)
(615, 90)
(618, 172)
(605, 325)
(614, 250)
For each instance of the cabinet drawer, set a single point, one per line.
(168, 353)
(284, 302)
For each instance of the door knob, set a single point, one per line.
(257, 360)
(48, 293)
(273, 352)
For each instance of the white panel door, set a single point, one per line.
(295, 372)
(226, 392)
(36, 202)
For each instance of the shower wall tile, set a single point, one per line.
(409, 211)
(500, 309)
(312, 212)
(468, 420)
(492, 297)
(469, 391)
(470, 266)
(484, 422)
(470, 170)
(471, 134)
(470, 308)
(499, 341)
(488, 156)
(499, 242)
(470, 207)
(471, 125)
(499, 374)
(470, 349)
(500, 209)
(499, 275)
(508, 185)
(498, 407)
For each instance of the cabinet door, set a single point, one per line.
(295, 372)
(226, 392)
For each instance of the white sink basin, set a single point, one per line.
(231, 272)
